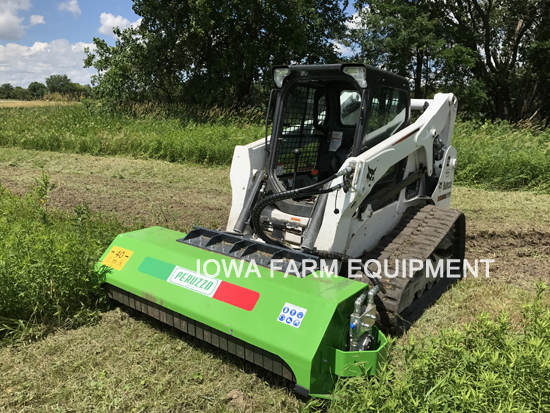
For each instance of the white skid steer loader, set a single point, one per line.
(345, 176)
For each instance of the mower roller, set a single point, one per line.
(343, 187)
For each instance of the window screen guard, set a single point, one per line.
(299, 132)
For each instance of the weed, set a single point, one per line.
(486, 366)
(42, 188)
(47, 275)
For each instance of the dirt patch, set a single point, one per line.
(236, 401)
(521, 256)
(521, 242)
(180, 196)
(176, 206)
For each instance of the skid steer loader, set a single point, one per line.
(344, 187)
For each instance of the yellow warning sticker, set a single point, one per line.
(117, 258)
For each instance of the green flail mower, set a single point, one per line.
(344, 181)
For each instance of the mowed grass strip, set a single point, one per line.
(126, 362)
(31, 103)
(123, 363)
(206, 191)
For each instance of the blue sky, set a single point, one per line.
(39, 38)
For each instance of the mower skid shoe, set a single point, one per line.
(294, 327)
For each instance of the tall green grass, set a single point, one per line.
(47, 259)
(502, 156)
(491, 156)
(486, 367)
(78, 129)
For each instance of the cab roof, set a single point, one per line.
(335, 72)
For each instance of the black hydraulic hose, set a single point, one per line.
(306, 191)
(315, 185)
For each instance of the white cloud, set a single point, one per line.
(11, 27)
(344, 50)
(20, 65)
(354, 21)
(37, 19)
(358, 20)
(72, 6)
(109, 21)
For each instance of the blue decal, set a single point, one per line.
(291, 314)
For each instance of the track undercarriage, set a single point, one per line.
(427, 233)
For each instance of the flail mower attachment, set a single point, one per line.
(298, 328)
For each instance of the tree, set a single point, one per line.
(482, 50)
(37, 90)
(59, 84)
(6, 91)
(21, 94)
(212, 52)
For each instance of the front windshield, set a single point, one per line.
(388, 113)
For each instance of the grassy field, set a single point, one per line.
(491, 156)
(499, 156)
(92, 356)
(121, 361)
(79, 129)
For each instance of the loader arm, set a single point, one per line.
(414, 143)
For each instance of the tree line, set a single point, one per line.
(493, 54)
(36, 90)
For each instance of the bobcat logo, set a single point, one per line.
(370, 173)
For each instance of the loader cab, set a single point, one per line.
(325, 114)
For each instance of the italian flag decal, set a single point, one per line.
(220, 290)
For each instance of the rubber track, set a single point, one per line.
(416, 236)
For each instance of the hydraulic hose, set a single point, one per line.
(305, 191)
(260, 206)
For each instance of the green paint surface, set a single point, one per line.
(316, 351)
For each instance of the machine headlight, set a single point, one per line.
(359, 73)
(279, 76)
